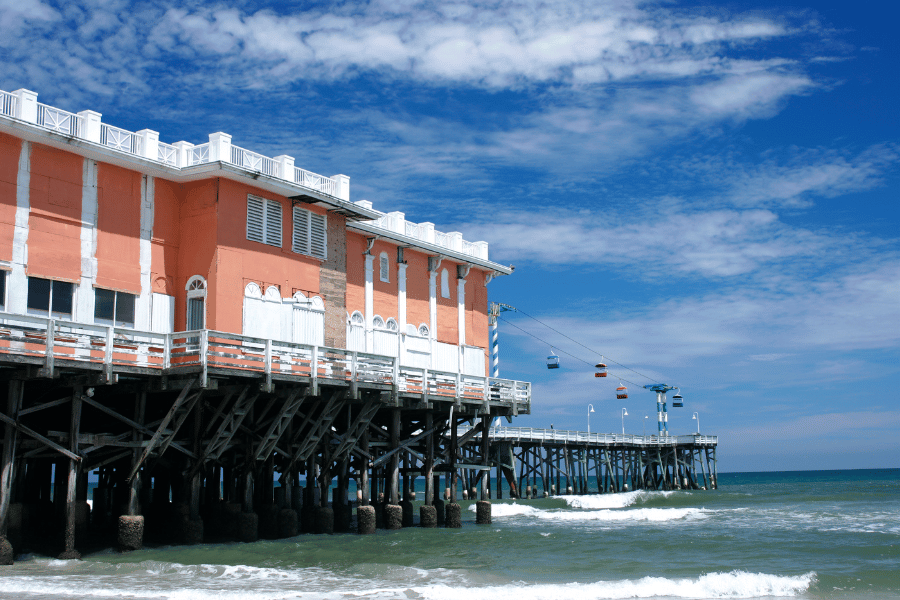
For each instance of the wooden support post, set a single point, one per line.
(429, 460)
(453, 441)
(134, 489)
(7, 464)
(394, 473)
(69, 551)
(364, 468)
(485, 456)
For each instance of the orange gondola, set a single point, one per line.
(601, 370)
(621, 392)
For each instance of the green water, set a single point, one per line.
(761, 535)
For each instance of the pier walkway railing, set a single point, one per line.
(562, 436)
(53, 344)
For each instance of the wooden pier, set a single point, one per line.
(187, 433)
(552, 461)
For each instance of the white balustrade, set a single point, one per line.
(313, 181)
(120, 139)
(167, 154)
(58, 120)
(198, 155)
(254, 161)
(7, 104)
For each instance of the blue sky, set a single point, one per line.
(704, 192)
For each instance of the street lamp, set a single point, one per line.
(645, 424)
(697, 418)
(590, 410)
(624, 414)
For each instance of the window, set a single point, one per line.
(310, 236)
(196, 303)
(384, 267)
(2, 290)
(423, 330)
(113, 308)
(377, 322)
(391, 325)
(445, 284)
(50, 298)
(264, 221)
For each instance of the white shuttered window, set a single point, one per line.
(310, 235)
(264, 221)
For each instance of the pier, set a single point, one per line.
(187, 433)
(552, 461)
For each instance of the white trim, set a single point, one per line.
(143, 303)
(401, 296)
(461, 309)
(370, 301)
(18, 281)
(84, 293)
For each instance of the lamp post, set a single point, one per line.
(624, 414)
(590, 410)
(697, 418)
(645, 425)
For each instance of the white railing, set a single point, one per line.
(167, 154)
(314, 181)
(443, 239)
(98, 347)
(120, 139)
(530, 434)
(198, 155)
(8, 104)
(414, 230)
(58, 120)
(470, 249)
(253, 161)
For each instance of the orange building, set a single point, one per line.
(104, 226)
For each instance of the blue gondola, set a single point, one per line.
(677, 401)
(552, 361)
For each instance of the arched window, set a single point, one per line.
(392, 325)
(423, 330)
(377, 322)
(196, 303)
(445, 284)
(384, 272)
(356, 318)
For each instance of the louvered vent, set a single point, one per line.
(310, 233)
(255, 219)
(264, 221)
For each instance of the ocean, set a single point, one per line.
(814, 534)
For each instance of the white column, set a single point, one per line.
(84, 293)
(219, 147)
(18, 283)
(341, 187)
(370, 311)
(26, 105)
(143, 307)
(150, 143)
(285, 167)
(432, 310)
(401, 297)
(401, 308)
(90, 126)
(183, 154)
(461, 309)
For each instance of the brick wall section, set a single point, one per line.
(333, 283)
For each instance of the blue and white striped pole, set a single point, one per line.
(495, 348)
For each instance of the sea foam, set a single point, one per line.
(736, 584)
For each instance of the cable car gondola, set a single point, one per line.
(621, 392)
(552, 360)
(601, 369)
(677, 400)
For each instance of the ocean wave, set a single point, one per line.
(620, 500)
(609, 515)
(736, 584)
